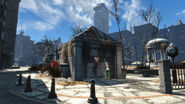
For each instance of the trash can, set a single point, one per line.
(107, 74)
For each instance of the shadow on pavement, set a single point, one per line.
(39, 92)
(109, 82)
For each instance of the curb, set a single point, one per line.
(29, 98)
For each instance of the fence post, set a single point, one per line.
(20, 80)
(52, 93)
(28, 85)
(164, 76)
(92, 99)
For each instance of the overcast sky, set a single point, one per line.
(55, 18)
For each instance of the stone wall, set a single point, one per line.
(98, 61)
(119, 62)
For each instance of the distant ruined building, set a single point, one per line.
(29, 53)
(134, 42)
(25, 51)
(127, 39)
(8, 25)
(177, 36)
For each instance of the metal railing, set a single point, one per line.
(178, 77)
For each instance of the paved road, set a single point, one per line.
(6, 80)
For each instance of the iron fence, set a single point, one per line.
(178, 77)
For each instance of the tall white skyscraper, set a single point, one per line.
(101, 17)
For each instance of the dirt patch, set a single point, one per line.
(132, 67)
(155, 81)
(43, 76)
(67, 83)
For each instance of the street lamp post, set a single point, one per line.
(172, 51)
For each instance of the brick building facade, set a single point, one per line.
(8, 26)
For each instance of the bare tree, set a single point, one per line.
(153, 16)
(132, 43)
(134, 39)
(147, 14)
(76, 30)
(116, 16)
(156, 21)
(45, 46)
(48, 43)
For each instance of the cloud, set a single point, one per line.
(181, 15)
(81, 11)
(21, 27)
(83, 19)
(42, 26)
(42, 9)
(58, 2)
(52, 12)
(131, 10)
(29, 4)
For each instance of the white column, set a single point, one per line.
(161, 55)
(152, 51)
(147, 53)
(155, 56)
(164, 55)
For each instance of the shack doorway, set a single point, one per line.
(99, 63)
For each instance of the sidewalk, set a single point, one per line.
(133, 90)
(14, 70)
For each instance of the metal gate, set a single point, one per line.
(178, 77)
